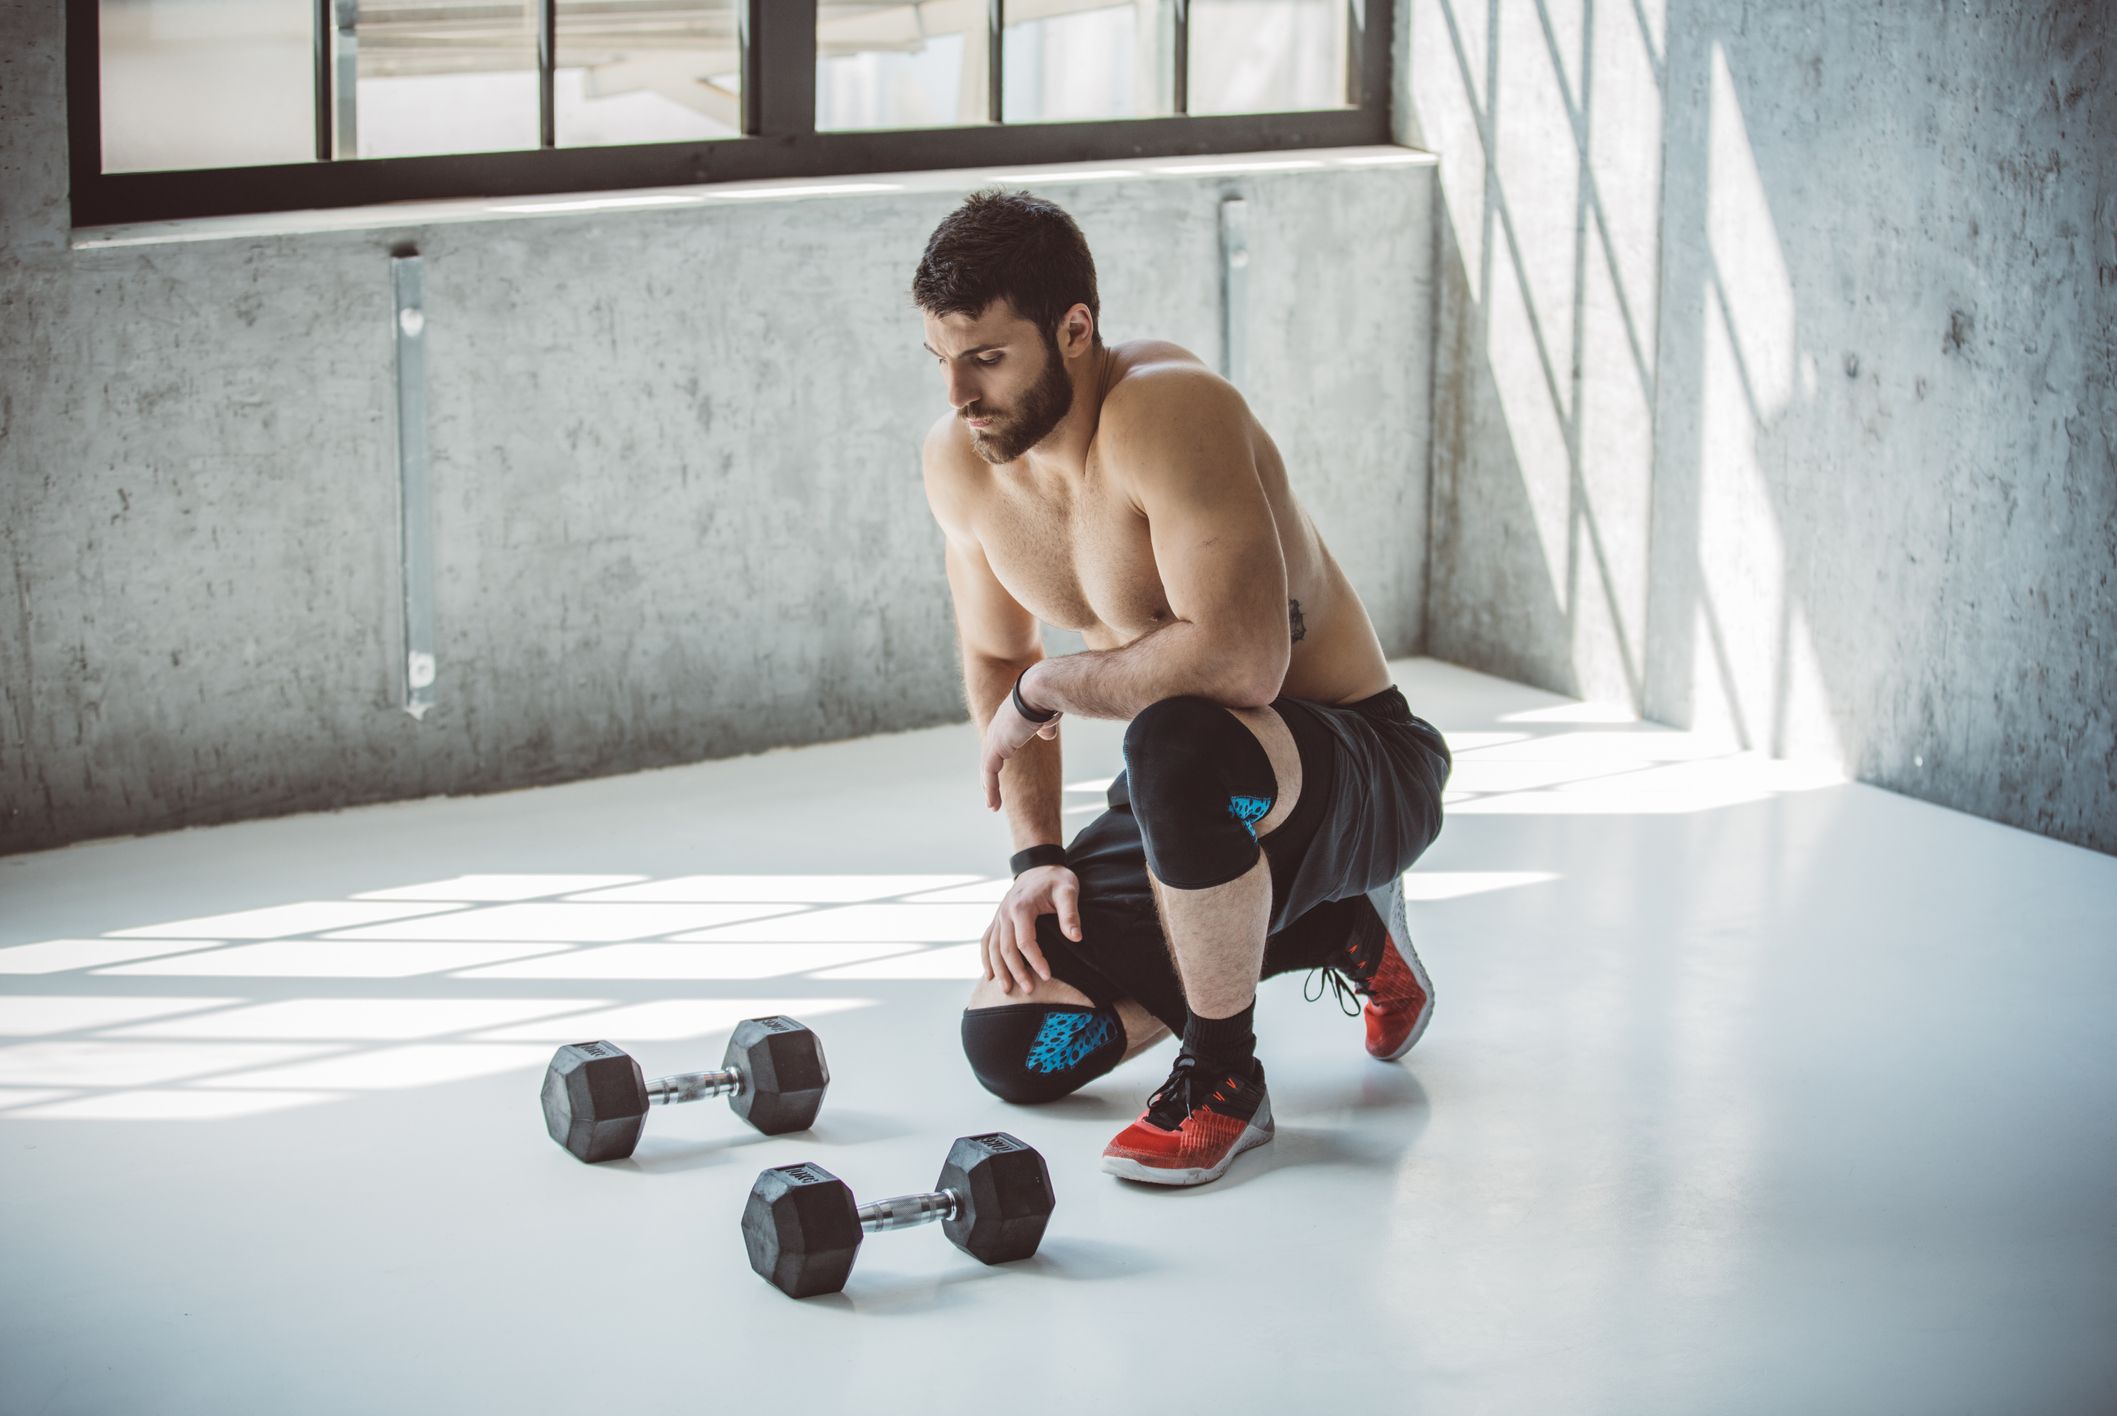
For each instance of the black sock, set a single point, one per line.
(1222, 1044)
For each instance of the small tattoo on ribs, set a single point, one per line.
(1293, 609)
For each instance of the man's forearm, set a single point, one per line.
(1030, 787)
(1169, 662)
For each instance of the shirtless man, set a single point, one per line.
(1276, 784)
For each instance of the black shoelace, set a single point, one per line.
(1348, 992)
(1168, 1107)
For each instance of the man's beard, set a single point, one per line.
(1042, 408)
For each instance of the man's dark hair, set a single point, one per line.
(1008, 245)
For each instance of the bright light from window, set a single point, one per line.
(314, 958)
(688, 961)
(499, 888)
(392, 1069)
(562, 923)
(1488, 774)
(361, 1019)
(1573, 713)
(983, 892)
(775, 889)
(31, 1016)
(1455, 884)
(1460, 743)
(134, 1064)
(60, 955)
(956, 962)
(671, 1020)
(867, 924)
(167, 1106)
(308, 917)
(1624, 748)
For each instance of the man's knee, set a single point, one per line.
(1032, 1052)
(1200, 782)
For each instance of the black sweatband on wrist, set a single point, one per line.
(1030, 857)
(1034, 715)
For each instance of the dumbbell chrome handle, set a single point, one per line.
(903, 1211)
(693, 1086)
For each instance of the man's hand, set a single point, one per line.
(1008, 733)
(1010, 948)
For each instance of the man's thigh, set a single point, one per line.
(1372, 805)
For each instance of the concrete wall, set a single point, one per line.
(677, 499)
(1777, 376)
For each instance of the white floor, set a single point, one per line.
(1749, 1090)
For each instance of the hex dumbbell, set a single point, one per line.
(803, 1229)
(596, 1097)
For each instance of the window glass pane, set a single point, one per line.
(1268, 56)
(901, 65)
(1065, 59)
(435, 76)
(647, 71)
(206, 83)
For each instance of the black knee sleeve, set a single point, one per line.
(1031, 1052)
(1200, 783)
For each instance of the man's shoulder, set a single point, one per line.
(1165, 412)
(1160, 386)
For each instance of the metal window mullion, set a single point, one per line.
(84, 95)
(778, 41)
(1368, 58)
(320, 27)
(345, 139)
(1180, 91)
(995, 47)
(547, 73)
(1355, 49)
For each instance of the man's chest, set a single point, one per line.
(1081, 560)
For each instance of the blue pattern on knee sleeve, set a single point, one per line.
(1067, 1038)
(1249, 811)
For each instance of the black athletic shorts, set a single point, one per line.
(1370, 804)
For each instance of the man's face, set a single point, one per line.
(1004, 378)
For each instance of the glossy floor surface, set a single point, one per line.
(1749, 1090)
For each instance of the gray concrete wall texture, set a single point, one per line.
(677, 504)
(1776, 377)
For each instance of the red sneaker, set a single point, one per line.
(1379, 965)
(1194, 1126)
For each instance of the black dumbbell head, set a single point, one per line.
(802, 1230)
(595, 1100)
(1007, 1194)
(783, 1075)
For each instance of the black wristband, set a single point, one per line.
(1032, 714)
(1033, 856)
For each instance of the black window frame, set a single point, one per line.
(780, 139)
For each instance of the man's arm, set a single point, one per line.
(1180, 435)
(999, 640)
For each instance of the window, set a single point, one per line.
(204, 107)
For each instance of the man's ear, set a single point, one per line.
(1076, 331)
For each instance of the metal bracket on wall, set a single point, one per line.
(1234, 288)
(414, 499)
